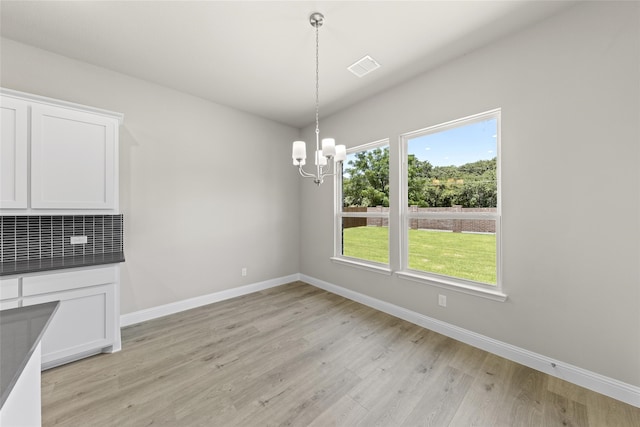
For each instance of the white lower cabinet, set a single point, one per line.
(81, 326)
(88, 319)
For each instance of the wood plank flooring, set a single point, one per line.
(296, 355)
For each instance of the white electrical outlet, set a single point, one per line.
(78, 240)
(244, 271)
(442, 300)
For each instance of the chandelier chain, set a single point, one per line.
(317, 81)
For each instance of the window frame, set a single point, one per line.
(339, 214)
(494, 292)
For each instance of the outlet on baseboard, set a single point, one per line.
(78, 240)
(442, 300)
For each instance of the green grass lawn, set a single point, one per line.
(464, 255)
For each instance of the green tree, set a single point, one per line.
(472, 185)
(418, 180)
(366, 179)
(366, 182)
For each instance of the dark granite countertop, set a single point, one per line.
(21, 330)
(31, 266)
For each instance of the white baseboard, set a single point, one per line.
(599, 383)
(187, 304)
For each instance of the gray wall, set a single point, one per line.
(191, 173)
(569, 92)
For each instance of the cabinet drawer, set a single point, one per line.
(9, 288)
(5, 305)
(45, 283)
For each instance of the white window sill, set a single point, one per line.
(465, 288)
(375, 267)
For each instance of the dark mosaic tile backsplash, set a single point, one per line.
(41, 237)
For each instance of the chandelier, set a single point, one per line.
(330, 153)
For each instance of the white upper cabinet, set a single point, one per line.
(72, 159)
(57, 157)
(13, 154)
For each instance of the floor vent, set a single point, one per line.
(364, 66)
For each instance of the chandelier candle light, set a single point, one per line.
(330, 153)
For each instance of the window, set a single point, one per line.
(362, 207)
(451, 211)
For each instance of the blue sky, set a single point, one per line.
(457, 146)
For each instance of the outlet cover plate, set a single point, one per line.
(442, 300)
(78, 240)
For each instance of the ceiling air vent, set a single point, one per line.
(364, 66)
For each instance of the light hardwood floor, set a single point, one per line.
(297, 355)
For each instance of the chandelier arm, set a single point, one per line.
(331, 171)
(305, 174)
(320, 176)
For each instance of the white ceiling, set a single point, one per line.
(259, 56)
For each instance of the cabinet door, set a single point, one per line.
(13, 154)
(73, 159)
(6, 305)
(82, 325)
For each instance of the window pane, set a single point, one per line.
(365, 179)
(459, 248)
(454, 167)
(366, 238)
(365, 188)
